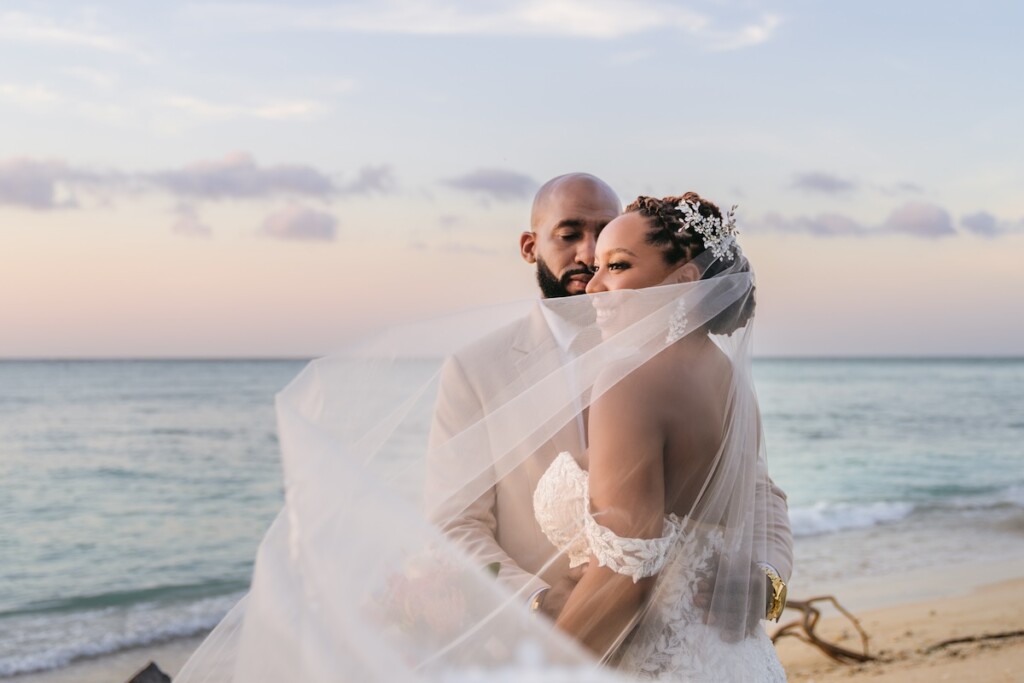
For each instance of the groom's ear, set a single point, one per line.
(528, 246)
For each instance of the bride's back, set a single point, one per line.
(690, 384)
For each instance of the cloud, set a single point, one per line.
(818, 181)
(904, 187)
(822, 225)
(29, 95)
(237, 176)
(921, 220)
(828, 183)
(596, 19)
(371, 179)
(449, 221)
(93, 77)
(37, 185)
(986, 225)
(50, 184)
(20, 27)
(300, 223)
(188, 222)
(496, 183)
(916, 219)
(746, 36)
(981, 223)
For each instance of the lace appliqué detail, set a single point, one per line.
(561, 505)
(636, 558)
(672, 642)
(677, 323)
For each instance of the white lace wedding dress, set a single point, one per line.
(671, 642)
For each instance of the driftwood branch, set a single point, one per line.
(803, 629)
(972, 639)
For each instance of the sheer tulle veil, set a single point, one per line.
(357, 580)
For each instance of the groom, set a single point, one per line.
(498, 525)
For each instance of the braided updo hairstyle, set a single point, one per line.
(682, 246)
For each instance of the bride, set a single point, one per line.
(361, 577)
(670, 494)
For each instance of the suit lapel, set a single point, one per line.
(535, 338)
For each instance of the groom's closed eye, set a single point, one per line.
(569, 229)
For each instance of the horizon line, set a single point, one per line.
(307, 358)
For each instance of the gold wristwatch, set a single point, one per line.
(537, 600)
(777, 592)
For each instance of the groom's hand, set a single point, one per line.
(556, 596)
(757, 598)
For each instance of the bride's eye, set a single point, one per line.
(618, 265)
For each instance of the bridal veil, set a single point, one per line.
(357, 581)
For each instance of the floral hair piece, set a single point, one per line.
(718, 234)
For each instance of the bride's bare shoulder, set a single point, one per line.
(676, 375)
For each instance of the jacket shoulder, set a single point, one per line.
(492, 347)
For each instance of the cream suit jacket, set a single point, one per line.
(499, 526)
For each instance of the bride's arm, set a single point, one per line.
(627, 496)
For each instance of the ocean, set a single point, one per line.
(133, 494)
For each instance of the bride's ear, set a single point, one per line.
(687, 273)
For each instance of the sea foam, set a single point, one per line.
(825, 518)
(37, 642)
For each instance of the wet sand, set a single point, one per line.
(903, 616)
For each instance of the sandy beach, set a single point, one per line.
(902, 635)
(954, 606)
(118, 667)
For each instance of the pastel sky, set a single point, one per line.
(263, 179)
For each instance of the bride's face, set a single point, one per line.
(624, 259)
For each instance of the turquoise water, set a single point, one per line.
(132, 497)
(912, 433)
(133, 494)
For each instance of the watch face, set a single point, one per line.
(778, 602)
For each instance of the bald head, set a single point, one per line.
(568, 213)
(574, 188)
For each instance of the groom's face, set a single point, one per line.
(564, 235)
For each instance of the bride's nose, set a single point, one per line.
(596, 283)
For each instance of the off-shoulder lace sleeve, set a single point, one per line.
(636, 558)
(561, 505)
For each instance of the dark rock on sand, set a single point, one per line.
(151, 674)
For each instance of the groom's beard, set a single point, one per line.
(553, 287)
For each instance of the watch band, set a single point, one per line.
(777, 599)
(537, 600)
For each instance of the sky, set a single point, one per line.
(265, 180)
